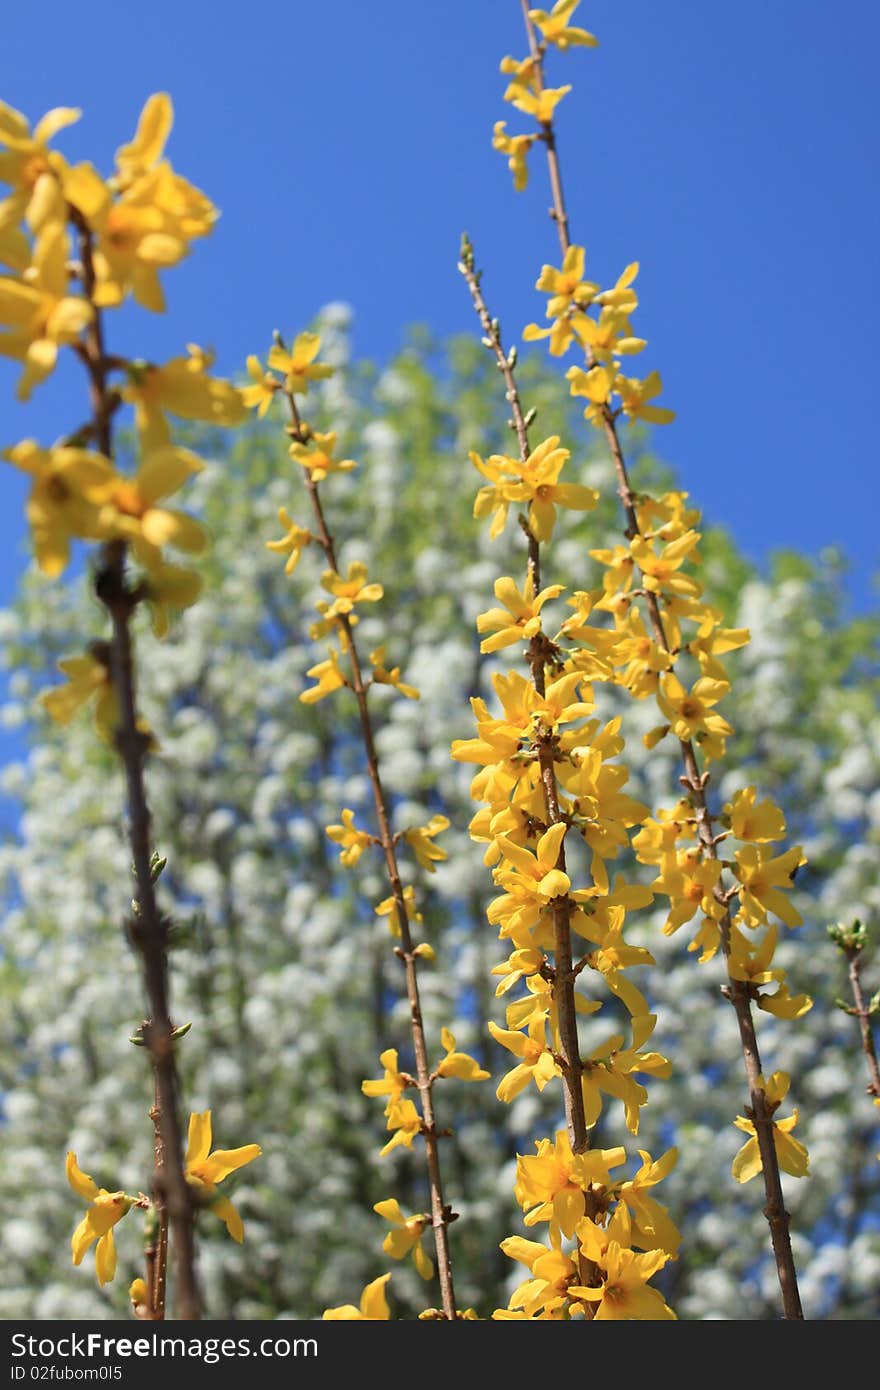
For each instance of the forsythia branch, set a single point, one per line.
(852, 941)
(148, 928)
(737, 991)
(298, 370)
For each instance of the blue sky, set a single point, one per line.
(726, 147)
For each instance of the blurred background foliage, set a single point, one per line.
(279, 959)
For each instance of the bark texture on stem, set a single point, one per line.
(441, 1214)
(564, 976)
(157, 1286)
(148, 928)
(695, 782)
(564, 971)
(863, 1014)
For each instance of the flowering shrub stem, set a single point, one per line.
(440, 1212)
(563, 984)
(157, 1251)
(736, 991)
(863, 1014)
(852, 940)
(148, 928)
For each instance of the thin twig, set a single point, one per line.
(863, 1013)
(441, 1215)
(563, 982)
(564, 972)
(156, 1289)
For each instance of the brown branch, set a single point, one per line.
(92, 429)
(852, 944)
(736, 992)
(504, 361)
(151, 1231)
(148, 928)
(157, 1288)
(440, 1212)
(548, 135)
(564, 977)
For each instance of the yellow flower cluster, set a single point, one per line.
(687, 634)
(580, 312)
(684, 634)
(76, 244)
(598, 321)
(601, 1275)
(527, 94)
(536, 482)
(288, 374)
(204, 1170)
(618, 1288)
(545, 732)
(671, 650)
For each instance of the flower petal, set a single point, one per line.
(199, 1138)
(105, 1258)
(222, 1162)
(82, 1184)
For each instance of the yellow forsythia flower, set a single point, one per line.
(566, 286)
(373, 1305)
(260, 395)
(550, 1185)
(388, 908)
(556, 29)
(106, 1208)
(392, 1084)
(754, 823)
(316, 456)
(205, 1170)
(183, 387)
(31, 168)
(541, 104)
(40, 314)
(516, 147)
(791, 1154)
(352, 840)
(421, 841)
(390, 675)
(459, 1064)
(404, 1122)
(762, 877)
(350, 589)
(651, 1223)
(69, 485)
(406, 1236)
(137, 1293)
(88, 678)
(299, 365)
(536, 1062)
(169, 589)
(294, 541)
(131, 514)
(520, 618)
(624, 1293)
(328, 677)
